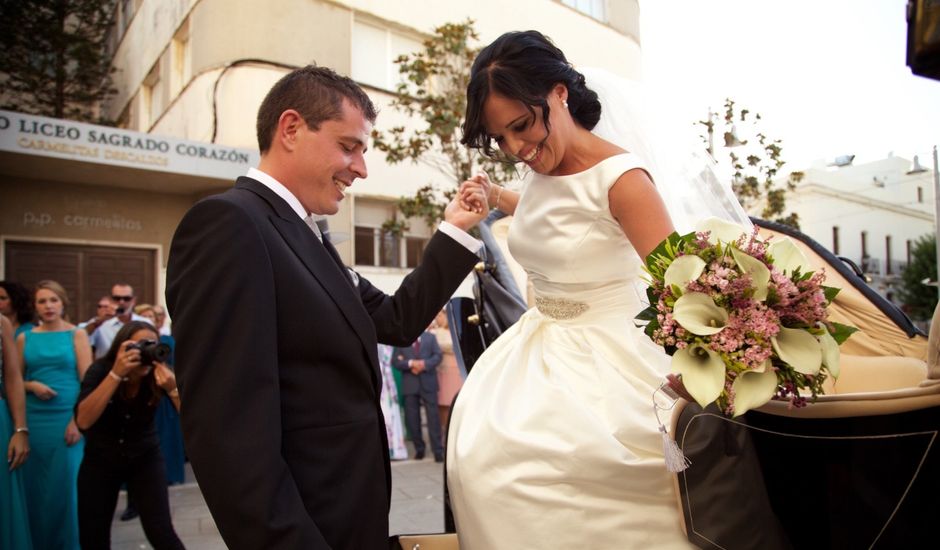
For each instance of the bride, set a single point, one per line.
(553, 440)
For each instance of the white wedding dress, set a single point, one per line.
(553, 440)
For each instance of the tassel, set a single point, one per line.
(676, 461)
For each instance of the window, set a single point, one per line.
(920, 194)
(181, 60)
(414, 249)
(124, 11)
(376, 247)
(835, 239)
(864, 245)
(152, 98)
(374, 51)
(909, 245)
(593, 8)
(365, 245)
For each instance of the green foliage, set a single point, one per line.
(840, 333)
(433, 89)
(55, 60)
(920, 300)
(755, 167)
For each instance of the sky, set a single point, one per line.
(827, 76)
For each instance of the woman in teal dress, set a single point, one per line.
(14, 523)
(55, 356)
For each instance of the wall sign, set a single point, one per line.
(51, 137)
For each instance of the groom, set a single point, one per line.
(276, 339)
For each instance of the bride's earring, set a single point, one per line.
(565, 103)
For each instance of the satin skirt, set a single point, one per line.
(553, 440)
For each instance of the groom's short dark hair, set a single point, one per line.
(316, 93)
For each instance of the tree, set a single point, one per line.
(55, 60)
(755, 166)
(433, 89)
(920, 300)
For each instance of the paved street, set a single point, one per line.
(417, 507)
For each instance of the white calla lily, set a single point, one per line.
(721, 230)
(798, 348)
(830, 352)
(760, 275)
(697, 313)
(703, 372)
(753, 388)
(788, 257)
(683, 270)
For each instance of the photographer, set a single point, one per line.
(115, 410)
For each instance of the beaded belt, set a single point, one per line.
(560, 308)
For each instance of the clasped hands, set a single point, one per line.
(470, 205)
(416, 366)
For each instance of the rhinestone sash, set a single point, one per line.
(560, 308)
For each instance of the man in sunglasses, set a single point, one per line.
(104, 310)
(122, 294)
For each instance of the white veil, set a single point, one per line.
(684, 176)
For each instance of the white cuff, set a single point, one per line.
(461, 236)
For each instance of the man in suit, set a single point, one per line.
(276, 339)
(418, 363)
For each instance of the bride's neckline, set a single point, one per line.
(588, 169)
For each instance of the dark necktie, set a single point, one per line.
(417, 347)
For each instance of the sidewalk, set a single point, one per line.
(417, 507)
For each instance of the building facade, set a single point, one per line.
(870, 213)
(195, 71)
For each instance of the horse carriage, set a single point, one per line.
(857, 468)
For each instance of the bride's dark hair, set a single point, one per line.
(524, 65)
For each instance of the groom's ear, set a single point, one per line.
(289, 125)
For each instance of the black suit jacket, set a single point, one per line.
(426, 380)
(278, 373)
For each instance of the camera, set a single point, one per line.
(151, 351)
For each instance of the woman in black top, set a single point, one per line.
(115, 411)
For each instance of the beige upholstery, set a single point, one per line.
(861, 374)
(933, 350)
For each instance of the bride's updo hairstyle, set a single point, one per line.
(524, 65)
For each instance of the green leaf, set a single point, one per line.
(666, 250)
(647, 314)
(831, 292)
(651, 328)
(840, 333)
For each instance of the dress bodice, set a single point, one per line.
(564, 235)
(49, 357)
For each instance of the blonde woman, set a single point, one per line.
(54, 356)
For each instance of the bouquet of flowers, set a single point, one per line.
(743, 319)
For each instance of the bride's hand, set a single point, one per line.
(674, 382)
(474, 193)
(466, 212)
